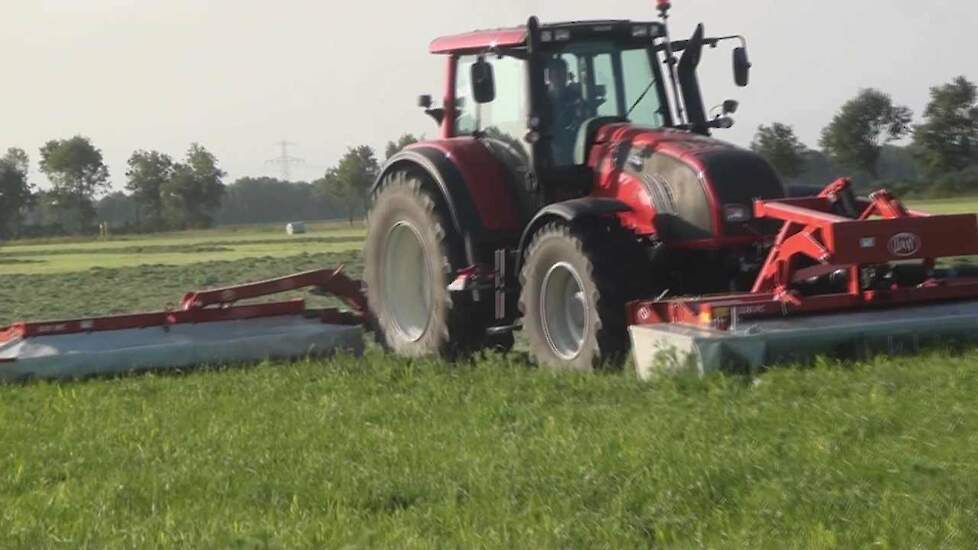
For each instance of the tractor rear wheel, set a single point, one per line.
(411, 256)
(572, 299)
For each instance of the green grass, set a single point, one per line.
(175, 249)
(387, 452)
(384, 452)
(960, 205)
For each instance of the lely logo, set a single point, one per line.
(904, 244)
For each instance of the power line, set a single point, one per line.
(285, 161)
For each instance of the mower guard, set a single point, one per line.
(686, 349)
(207, 329)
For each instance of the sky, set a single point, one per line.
(238, 76)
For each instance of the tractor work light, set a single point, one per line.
(736, 213)
(640, 31)
(546, 36)
(562, 35)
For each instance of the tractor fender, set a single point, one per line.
(450, 186)
(569, 211)
(445, 175)
(479, 208)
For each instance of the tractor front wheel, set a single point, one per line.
(571, 299)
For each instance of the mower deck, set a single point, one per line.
(676, 349)
(776, 322)
(209, 328)
(173, 347)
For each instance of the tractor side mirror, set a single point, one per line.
(424, 101)
(483, 83)
(730, 106)
(741, 66)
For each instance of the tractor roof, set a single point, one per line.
(513, 37)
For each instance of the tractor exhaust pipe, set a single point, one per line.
(663, 7)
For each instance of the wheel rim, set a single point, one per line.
(407, 284)
(564, 311)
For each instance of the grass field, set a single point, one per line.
(947, 206)
(385, 452)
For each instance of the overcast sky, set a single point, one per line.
(239, 75)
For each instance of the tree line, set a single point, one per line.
(941, 159)
(162, 193)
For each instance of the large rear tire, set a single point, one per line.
(573, 299)
(411, 256)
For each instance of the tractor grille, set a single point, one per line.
(740, 177)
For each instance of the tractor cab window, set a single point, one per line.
(647, 109)
(566, 97)
(502, 119)
(598, 78)
(466, 109)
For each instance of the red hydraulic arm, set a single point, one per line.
(331, 281)
(196, 307)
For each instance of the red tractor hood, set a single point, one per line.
(678, 143)
(680, 185)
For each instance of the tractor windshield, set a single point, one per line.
(598, 78)
(584, 79)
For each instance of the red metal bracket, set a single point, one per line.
(331, 281)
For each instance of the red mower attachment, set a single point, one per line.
(207, 329)
(834, 255)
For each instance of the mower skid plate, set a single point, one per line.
(684, 349)
(177, 346)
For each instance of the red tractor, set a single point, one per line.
(574, 172)
(575, 192)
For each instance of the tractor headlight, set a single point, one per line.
(736, 213)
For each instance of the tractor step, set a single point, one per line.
(680, 349)
(507, 329)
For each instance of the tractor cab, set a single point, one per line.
(539, 94)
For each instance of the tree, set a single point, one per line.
(393, 147)
(781, 147)
(147, 174)
(77, 171)
(118, 210)
(947, 141)
(15, 190)
(337, 195)
(355, 174)
(193, 191)
(269, 200)
(858, 132)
